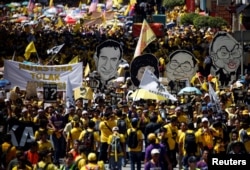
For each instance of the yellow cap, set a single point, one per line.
(245, 112)
(92, 157)
(151, 137)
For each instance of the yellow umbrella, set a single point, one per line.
(145, 94)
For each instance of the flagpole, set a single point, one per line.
(14, 54)
(39, 62)
(52, 58)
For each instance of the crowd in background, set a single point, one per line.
(163, 126)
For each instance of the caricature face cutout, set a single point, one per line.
(182, 65)
(107, 57)
(225, 52)
(140, 64)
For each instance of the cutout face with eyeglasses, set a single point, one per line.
(226, 52)
(182, 65)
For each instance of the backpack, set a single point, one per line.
(4, 154)
(132, 139)
(190, 144)
(116, 144)
(40, 168)
(88, 141)
(121, 124)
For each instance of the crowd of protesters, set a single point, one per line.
(84, 135)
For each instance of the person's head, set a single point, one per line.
(140, 64)
(34, 146)
(205, 154)
(91, 124)
(237, 147)
(151, 138)
(192, 161)
(92, 158)
(134, 122)
(115, 130)
(234, 135)
(183, 126)
(155, 153)
(107, 58)
(225, 52)
(182, 65)
(204, 121)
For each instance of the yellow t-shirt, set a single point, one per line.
(42, 164)
(171, 135)
(100, 165)
(96, 136)
(81, 159)
(44, 145)
(26, 167)
(139, 139)
(105, 131)
(218, 144)
(205, 138)
(37, 133)
(11, 153)
(122, 140)
(74, 135)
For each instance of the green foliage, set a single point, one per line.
(188, 18)
(170, 4)
(216, 22)
(201, 21)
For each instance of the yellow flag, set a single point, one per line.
(74, 60)
(80, 4)
(86, 70)
(76, 27)
(59, 23)
(51, 3)
(132, 2)
(29, 49)
(146, 37)
(127, 10)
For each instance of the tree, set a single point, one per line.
(216, 22)
(201, 21)
(170, 4)
(188, 18)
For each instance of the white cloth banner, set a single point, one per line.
(151, 83)
(19, 74)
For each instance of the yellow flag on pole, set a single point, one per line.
(51, 3)
(74, 60)
(29, 49)
(146, 37)
(86, 70)
(59, 23)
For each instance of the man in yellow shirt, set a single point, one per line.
(93, 164)
(105, 127)
(116, 149)
(9, 149)
(171, 136)
(45, 161)
(135, 144)
(90, 138)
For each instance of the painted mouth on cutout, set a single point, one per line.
(232, 65)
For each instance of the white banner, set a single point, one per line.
(19, 74)
(151, 83)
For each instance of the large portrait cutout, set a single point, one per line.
(108, 56)
(140, 64)
(226, 55)
(181, 66)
